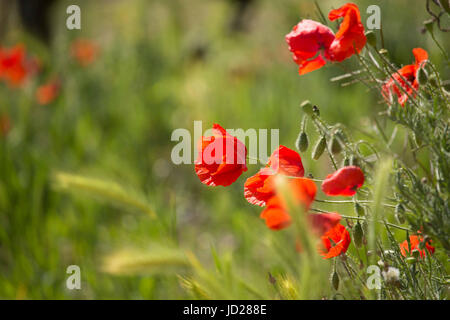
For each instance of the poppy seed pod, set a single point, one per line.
(371, 38)
(307, 107)
(319, 148)
(302, 142)
(358, 235)
(335, 280)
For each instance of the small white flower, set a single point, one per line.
(391, 275)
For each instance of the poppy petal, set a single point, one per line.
(343, 182)
(335, 242)
(221, 158)
(259, 188)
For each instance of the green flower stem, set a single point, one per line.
(363, 219)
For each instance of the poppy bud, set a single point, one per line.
(415, 253)
(422, 76)
(319, 148)
(429, 25)
(411, 260)
(371, 38)
(346, 162)
(335, 145)
(316, 110)
(354, 161)
(302, 142)
(358, 235)
(433, 80)
(359, 209)
(400, 213)
(307, 107)
(335, 280)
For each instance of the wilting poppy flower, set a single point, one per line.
(323, 222)
(221, 158)
(275, 214)
(259, 188)
(84, 51)
(415, 241)
(320, 223)
(13, 65)
(350, 37)
(308, 41)
(5, 125)
(409, 73)
(335, 242)
(343, 182)
(46, 93)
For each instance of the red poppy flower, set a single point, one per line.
(308, 41)
(275, 214)
(415, 241)
(46, 93)
(409, 73)
(335, 242)
(343, 182)
(84, 51)
(13, 65)
(33, 65)
(5, 125)
(350, 37)
(320, 223)
(221, 158)
(324, 222)
(259, 188)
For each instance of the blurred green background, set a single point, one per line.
(162, 65)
